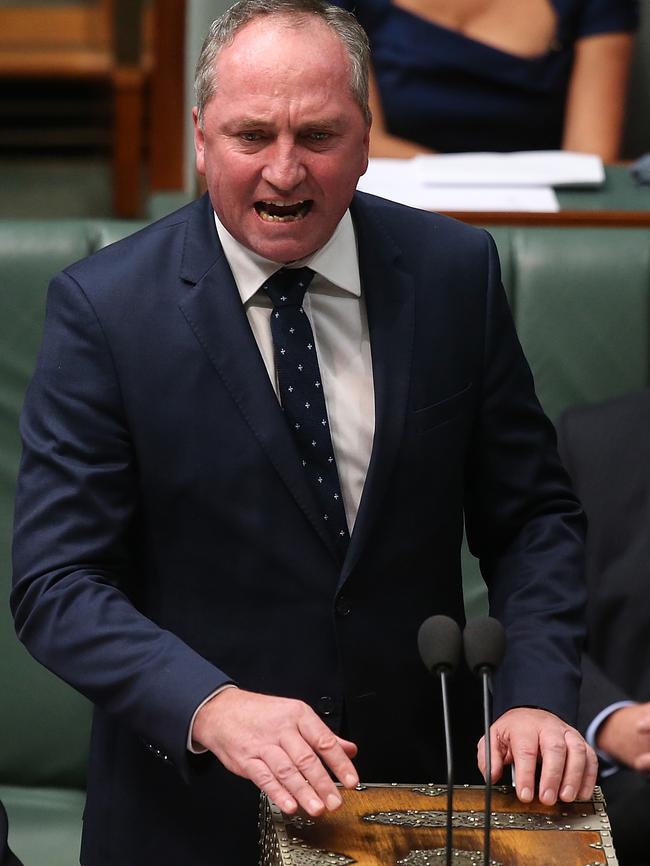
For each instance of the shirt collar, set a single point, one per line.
(337, 262)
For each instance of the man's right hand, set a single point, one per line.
(625, 736)
(279, 744)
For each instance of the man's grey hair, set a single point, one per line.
(296, 12)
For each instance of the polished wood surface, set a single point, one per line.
(345, 832)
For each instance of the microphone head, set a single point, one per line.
(439, 643)
(484, 640)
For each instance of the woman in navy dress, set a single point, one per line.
(497, 75)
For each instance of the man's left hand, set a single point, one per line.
(522, 736)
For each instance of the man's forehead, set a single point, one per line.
(275, 31)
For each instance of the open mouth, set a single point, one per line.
(277, 212)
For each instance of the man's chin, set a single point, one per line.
(283, 243)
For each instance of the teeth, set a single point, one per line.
(268, 210)
(284, 203)
(274, 218)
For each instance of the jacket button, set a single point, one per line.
(342, 606)
(325, 705)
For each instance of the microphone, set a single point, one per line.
(484, 641)
(439, 643)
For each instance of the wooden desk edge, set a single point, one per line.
(605, 218)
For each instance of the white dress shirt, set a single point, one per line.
(337, 314)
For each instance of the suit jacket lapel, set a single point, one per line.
(388, 289)
(213, 310)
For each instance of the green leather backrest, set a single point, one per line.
(582, 310)
(43, 723)
(581, 303)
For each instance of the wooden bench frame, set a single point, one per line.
(81, 41)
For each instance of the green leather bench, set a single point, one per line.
(44, 724)
(581, 303)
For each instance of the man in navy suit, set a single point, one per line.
(173, 559)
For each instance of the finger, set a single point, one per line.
(643, 725)
(480, 756)
(284, 770)
(496, 757)
(327, 746)
(642, 762)
(586, 791)
(348, 747)
(553, 749)
(575, 766)
(260, 774)
(524, 748)
(311, 768)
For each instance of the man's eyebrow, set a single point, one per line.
(333, 123)
(248, 123)
(329, 125)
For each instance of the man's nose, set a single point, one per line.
(284, 169)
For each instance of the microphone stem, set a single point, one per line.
(485, 676)
(450, 765)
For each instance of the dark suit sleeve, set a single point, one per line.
(597, 690)
(75, 575)
(525, 525)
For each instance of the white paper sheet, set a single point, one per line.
(400, 180)
(526, 168)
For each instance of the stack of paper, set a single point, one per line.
(482, 181)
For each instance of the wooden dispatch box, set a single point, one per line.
(405, 825)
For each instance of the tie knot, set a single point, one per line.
(287, 287)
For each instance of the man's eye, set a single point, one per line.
(318, 136)
(250, 136)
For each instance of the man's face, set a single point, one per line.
(283, 142)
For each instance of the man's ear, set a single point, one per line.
(199, 142)
(366, 144)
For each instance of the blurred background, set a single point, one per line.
(95, 100)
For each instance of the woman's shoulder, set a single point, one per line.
(592, 17)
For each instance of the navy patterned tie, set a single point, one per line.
(301, 395)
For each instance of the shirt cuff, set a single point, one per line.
(193, 747)
(609, 766)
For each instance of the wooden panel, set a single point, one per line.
(56, 64)
(167, 101)
(127, 141)
(55, 27)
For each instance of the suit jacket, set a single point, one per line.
(606, 449)
(166, 541)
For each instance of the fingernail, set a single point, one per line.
(568, 793)
(333, 801)
(351, 781)
(315, 805)
(289, 806)
(526, 794)
(548, 797)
